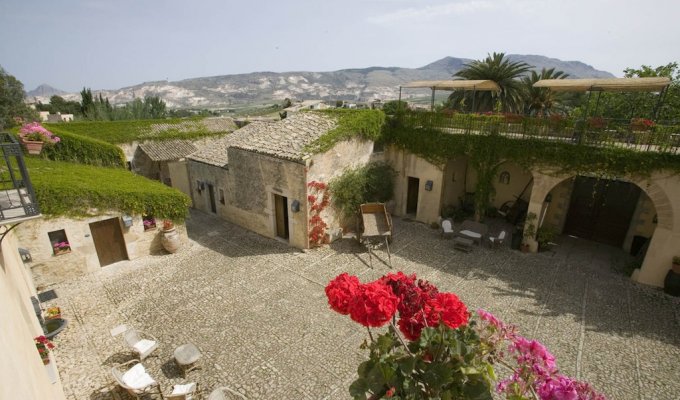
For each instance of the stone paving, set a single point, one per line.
(257, 311)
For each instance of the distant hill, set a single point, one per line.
(361, 84)
(44, 90)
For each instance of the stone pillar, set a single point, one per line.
(543, 184)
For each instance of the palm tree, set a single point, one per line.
(505, 73)
(541, 101)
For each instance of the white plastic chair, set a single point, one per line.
(498, 240)
(446, 228)
(225, 393)
(142, 344)
(135, 380)
(188, 391)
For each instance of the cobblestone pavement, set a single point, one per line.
(256, 310)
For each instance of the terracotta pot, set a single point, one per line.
(46, 361)
(676, 268)
(33, 147)
(171, 240)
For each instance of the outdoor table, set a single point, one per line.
(186, 357)
(463, 244)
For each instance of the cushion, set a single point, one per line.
(137, 378)
(143, 346)
(183, 389)
(470, 234)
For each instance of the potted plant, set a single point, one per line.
(544, 236)
(170, 239)
(53, 313)
(676, 264)
(641, 124)
(61, 248)
(34, 136)
(44, 346)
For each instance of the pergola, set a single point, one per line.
(461, 84)
(654, 84)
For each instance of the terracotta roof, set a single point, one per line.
(166, 150)
(284, 139)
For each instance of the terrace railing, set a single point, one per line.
(638, 135)
(17, 197)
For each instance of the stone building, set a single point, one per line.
(259, 176)
(164, 161)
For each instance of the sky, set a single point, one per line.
(71, 44)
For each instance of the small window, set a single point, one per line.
(221, 196)
(59, 242)
(149, 222)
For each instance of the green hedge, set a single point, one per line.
(69, 189)
(83, 149)
(367, 124)
(118, 132)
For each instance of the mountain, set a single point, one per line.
(364, 84)
(46, 91)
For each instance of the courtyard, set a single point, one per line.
(256, 310)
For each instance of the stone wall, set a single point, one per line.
(325, 167)
(49, 268)
(409, 165)
(22, 373)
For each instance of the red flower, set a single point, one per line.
(375, 304)
(452, 311)
(311, 198)
(341, 290)
(390, 392)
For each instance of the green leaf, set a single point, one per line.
(358, 389)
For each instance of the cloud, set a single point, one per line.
(429, 12)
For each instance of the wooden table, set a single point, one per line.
(462, 244)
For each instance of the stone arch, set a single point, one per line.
(663, 205)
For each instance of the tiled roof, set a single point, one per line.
(283, 139)
(167, 149)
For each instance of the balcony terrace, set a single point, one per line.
(637, 135)
(17, 197)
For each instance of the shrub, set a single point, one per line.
(84, 150)
(371, 183)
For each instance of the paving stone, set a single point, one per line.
(257, 311)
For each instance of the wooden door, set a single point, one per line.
(281, 210)
(412, 195)
(601, 210)
(211, 194)
(108, 241)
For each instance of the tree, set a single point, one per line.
(541, 101)
(393, 106)
(13, 109)
(505, 73)
(59, 104)
(628, 105)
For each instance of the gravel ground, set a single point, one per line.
(257, 311)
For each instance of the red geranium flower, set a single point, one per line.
(341, 290)
(375, 304)
(452, 311)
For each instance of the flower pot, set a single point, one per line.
(170, 240)
(46, 361)
(671, 284)
(676, 268)
(33, 147)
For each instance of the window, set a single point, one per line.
(221, 196)
(149, 222)
(59, 242)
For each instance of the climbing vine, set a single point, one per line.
(317, 200)
(366, 124)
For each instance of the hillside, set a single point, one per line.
(364, 84)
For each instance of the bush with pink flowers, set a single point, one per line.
(432, 348)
